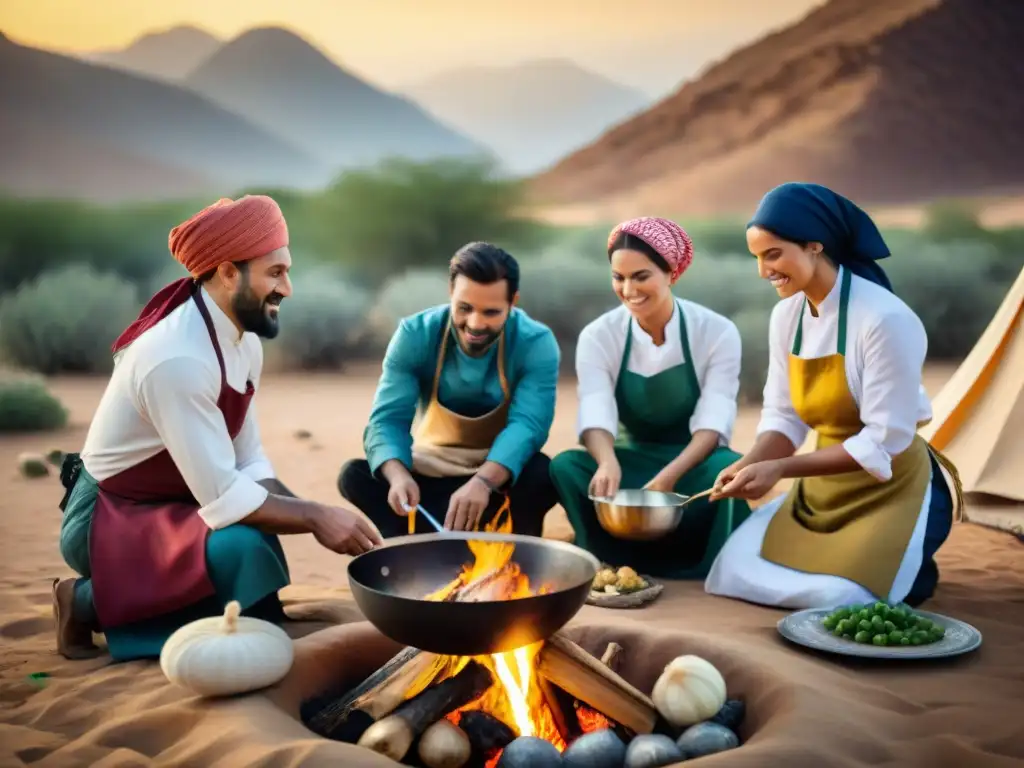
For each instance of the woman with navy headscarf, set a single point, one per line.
(869, 506)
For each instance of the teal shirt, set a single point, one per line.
(469, 386)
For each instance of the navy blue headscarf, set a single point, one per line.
(816, 214)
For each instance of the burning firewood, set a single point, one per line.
(376, 697)
(566, 665)
(487, 734)
(393, 735)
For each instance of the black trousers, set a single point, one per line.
(530, 498)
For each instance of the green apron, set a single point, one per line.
(654, 415)
(244, 564)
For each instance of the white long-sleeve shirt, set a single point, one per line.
(714, 343)
(886, 346)
(163, 394)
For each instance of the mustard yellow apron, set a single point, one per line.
(848, 525)
(447, 444)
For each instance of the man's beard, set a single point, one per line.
(478, 346)
(252, 312)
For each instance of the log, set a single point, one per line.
(486, 733)
(565, 664)
(393, 735)
(563, 709)
(347, 717)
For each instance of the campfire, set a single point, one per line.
(464, 710)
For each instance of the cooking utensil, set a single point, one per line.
(389, 583)
(641, 514)
(430, 518)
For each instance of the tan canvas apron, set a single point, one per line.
(447, 444)
(848, 525)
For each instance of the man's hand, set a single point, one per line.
(344, 531)
(467, 505)
(605, 482)
(404, 495)
(751, 482)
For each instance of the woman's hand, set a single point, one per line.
(605, 482)
(750, 482)
(663, 481)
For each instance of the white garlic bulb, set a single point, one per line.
(689, 691)
(225, 655)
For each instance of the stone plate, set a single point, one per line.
(804, 628)
(630, 599)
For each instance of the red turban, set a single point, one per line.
(229, 230)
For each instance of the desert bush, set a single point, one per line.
(322, 322)
(753, 327)
(565, 293)
(26, 405)
(404, 295)
(401, 215)
(66, 320)
(728, 285)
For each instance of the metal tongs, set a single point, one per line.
(430, 518)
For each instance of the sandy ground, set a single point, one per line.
(804, 709)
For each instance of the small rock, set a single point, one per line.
(706, 739)
(652, 751)
(530, 752)
(303, 434)
(730, 715)
(55, 457)
(597, 749)
(32, 465)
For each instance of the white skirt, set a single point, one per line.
(739, 571)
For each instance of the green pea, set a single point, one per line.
(855, 608)
(829, 622)
(895, 637)
(842, 613)
(919, 638)
(937, 633)
(905, 640)
(877, 622)
(880, 640)
(864, 625)
(890, 627)
(862, 637)
(879, 606)
(864, 614)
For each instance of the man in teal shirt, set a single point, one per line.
(483, 375)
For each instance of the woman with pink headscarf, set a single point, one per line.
(658, 380)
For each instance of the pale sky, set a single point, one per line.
(650, 44)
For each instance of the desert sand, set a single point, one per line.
(803, 709)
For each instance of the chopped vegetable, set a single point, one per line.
(882, 624)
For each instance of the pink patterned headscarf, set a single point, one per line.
(666, 237)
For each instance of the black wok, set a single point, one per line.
(389, 583)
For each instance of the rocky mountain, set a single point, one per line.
(279, 81)
(530, 114)
(166, 55)
(76, 129)
(891, 103)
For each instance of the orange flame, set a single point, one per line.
(516, 699)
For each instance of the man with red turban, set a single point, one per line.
(172, 508)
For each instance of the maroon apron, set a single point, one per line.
(147, 544)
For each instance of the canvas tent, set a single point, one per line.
(978, 420)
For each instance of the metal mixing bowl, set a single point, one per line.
(639, 515)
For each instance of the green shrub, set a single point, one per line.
(65, 321)
(566, 293)
(753, 327)
(322, 322)
(403, 215)
(404, 295)
(26, 405)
